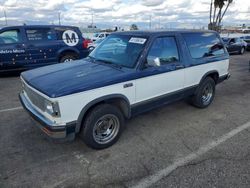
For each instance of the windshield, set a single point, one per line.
(122, 50)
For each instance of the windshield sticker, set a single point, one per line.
(137, 40)
(70, 38)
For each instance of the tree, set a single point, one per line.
(217, 12)
(133, 27)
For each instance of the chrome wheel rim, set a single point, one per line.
(207, 94)
(106, 129)
(68, 60)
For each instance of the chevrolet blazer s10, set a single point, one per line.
(127, 74)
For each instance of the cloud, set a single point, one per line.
(119, 12)
(152, 2)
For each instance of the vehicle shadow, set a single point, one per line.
(10, 74)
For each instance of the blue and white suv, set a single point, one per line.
(127, 74)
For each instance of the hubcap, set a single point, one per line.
(207, 94)
(106, 129)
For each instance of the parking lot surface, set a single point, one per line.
(173, 146)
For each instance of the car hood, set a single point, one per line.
(73, 77)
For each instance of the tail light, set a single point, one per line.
(85, 43)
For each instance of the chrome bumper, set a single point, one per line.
(47, 126)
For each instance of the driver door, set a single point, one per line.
(163, 74)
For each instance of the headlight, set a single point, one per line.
(52, 108)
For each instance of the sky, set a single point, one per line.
(111, 13)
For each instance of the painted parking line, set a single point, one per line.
(150, 180)
(11, 109)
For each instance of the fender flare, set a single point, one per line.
(208, 73)
(65, 49)
(98, 100)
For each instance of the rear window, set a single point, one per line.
(203, 44)
(42, 34)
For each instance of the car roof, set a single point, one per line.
(38, 26)
(161, 32)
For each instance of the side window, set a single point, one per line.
(163, 51)
(203, 44)
(10, 37)
(238, 40)
(40, 34)
(101, 35)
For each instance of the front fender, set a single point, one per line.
(99, 100)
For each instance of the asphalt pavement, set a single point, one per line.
(174, 146)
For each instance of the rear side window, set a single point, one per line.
(203, 44)
(10, 37)
(42, 34)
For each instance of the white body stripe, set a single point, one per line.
(194, 74)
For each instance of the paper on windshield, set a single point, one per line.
(137, 40)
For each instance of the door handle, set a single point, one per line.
(179, 67)
(127, 85)
(20, 45)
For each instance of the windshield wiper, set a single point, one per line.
(109, 63)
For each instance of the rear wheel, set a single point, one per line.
(102, 126)
(204, 94)
(242, 50)
(68, 57)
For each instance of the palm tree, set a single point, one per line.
(217, 16)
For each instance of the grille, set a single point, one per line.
(34, 97)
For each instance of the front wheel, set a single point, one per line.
(204, 94)
(102, 126)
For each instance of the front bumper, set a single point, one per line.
(47, 126)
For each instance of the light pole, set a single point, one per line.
(59, 18)
(5, 17)
(150, 20)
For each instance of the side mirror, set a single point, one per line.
(231, 42)
(153, 61)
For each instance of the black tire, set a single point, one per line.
(90, 126)
(199, 99)
(242, 51)
(68, 57)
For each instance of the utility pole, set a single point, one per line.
(59, 18)
(160, 22)
(5, 17)
(150, 20)
(92, 18)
